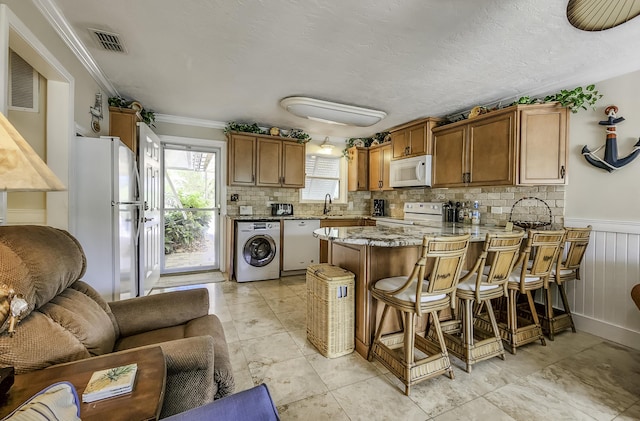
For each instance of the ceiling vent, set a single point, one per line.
(108, 40)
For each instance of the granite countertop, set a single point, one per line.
(277, 218)
(410, 235)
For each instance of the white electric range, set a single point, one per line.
(414, 213)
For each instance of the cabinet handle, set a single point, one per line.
(562, 172)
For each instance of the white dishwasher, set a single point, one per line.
(299, 247)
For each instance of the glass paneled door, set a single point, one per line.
(191, 208)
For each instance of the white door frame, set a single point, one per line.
(60, 125)
(222, 145)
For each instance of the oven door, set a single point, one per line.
(392, 222)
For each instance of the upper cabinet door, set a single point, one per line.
(293, 164)
(241, 162)
(358, 169)
(417, 140)
(543, 146)
(269, 166)
(449, 163)
(400, 143)
(491, 149)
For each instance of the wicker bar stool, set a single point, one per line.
(428, 289)
(486, 281)
(532, 272)
(568, 269)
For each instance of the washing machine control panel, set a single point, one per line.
(262, 226)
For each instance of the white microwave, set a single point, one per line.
(410, 172)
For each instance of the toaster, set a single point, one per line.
(281, 209)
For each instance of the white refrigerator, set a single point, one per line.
(104, 193)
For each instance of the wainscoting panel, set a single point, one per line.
(601, 300)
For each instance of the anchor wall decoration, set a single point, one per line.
(610, 162)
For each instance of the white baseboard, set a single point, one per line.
(607, 331)
(26, 217)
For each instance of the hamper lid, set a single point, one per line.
(330, 272)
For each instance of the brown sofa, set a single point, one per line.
(67, 320)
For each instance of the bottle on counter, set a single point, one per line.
(445, 211)
(467, 213)
(475, 213)
(458, 212)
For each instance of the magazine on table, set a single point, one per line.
(110, 382)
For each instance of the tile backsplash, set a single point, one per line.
(498, 199)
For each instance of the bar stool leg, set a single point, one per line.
(378, 334)
(409, 338)
(467, 330)
(534, 313)
(565, 304)
(494, 324)
(512, 320)
(549, 310)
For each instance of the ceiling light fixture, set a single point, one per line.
(598, 15)
(331, 112)
(326, 147)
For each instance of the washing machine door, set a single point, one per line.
(259, 250)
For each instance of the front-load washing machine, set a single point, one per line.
(257, 251)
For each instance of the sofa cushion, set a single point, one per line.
(38, 343)
(33, 268)
(84, 318)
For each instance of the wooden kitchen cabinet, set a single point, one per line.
(358, 170)
(519, 145)
(479, 153)
(241, 160)
(379, 159)
(257, 160)
(279, 163)
(413, 138)
(544, 134)
(123, 123)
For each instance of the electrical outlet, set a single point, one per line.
(496, 209)
(350, 206)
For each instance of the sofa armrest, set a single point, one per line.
(142, 314)
(251, 404)
(190, 374)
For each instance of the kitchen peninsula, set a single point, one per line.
(373, 253)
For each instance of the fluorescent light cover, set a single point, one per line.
(331, 112)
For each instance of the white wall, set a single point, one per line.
(610, 202)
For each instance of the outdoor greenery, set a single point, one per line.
(184, 230)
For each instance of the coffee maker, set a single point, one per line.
(378, 207)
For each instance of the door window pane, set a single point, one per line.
(190, 210)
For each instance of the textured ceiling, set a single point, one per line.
(234, 60)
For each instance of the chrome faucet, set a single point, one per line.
(327, 209)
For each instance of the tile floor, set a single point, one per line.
(576, 377)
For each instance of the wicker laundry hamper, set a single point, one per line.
(330, 309)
